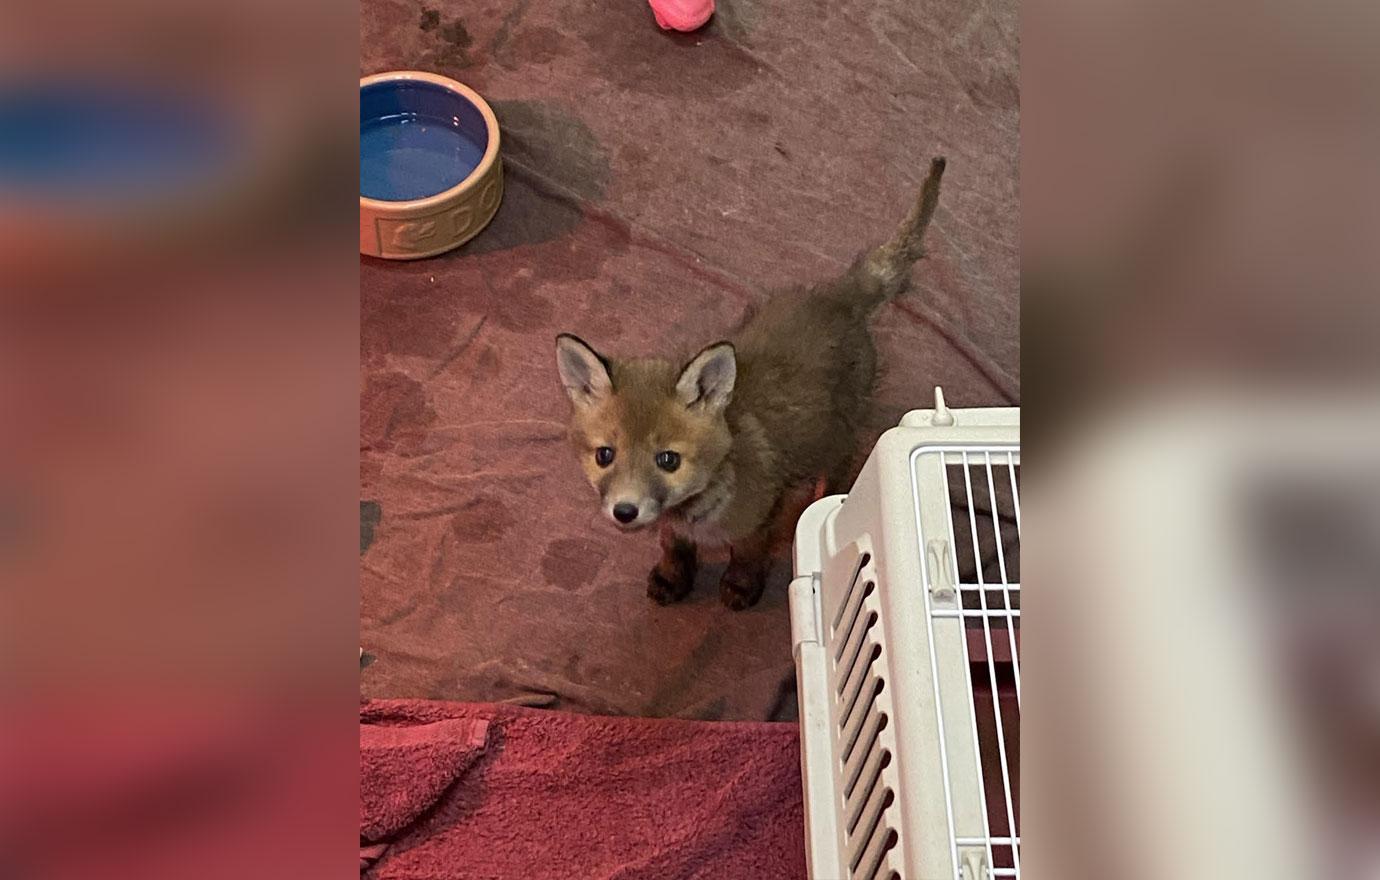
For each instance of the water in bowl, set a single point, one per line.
(406, 156)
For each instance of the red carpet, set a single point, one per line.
(656, 186)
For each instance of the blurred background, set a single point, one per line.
(1200, 308)
(178, 416)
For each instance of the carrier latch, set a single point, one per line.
(937, 550)
(972, 864)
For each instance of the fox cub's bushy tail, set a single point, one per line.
(887, 268)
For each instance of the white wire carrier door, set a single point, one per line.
(905, 611)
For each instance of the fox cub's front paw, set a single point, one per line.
(740, 588)
(667, 584)
(674, 575)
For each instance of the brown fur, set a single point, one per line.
(779, 408)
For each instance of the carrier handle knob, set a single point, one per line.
(942, 414)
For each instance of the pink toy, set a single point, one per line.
(681, 15)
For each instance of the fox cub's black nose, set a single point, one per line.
(625, 512)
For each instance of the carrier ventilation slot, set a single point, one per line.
(875, 853)
(877, 759)
(852, 589)
(852, 649)
(873, 862)
(853, 684)
(873, 806)
(854, 765)
(862, 721)
(868, 855)
(854, 609)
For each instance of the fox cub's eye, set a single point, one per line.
(603, 456)
(667, 460)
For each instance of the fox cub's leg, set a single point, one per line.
(746, 576)
(674, 575)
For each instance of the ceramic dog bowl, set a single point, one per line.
(430, 176)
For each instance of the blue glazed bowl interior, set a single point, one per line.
(416, 139)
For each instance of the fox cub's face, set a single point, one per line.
(649, 433)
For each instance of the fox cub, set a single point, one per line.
(711, 445)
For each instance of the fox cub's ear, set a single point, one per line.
(708, 379)
(584, 372)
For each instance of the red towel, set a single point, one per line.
(561, 796)
(404, 770)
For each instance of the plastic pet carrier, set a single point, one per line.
(905, 613)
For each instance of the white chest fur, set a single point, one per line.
(705, 532)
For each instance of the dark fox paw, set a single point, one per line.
(741, 589)
(664, 588)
